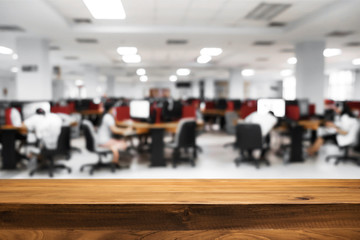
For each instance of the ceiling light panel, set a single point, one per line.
(131, 58)
(211, 51)
(105, 9)
(127, 50)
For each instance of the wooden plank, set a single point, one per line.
(182, 209)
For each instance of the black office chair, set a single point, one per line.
(344, 157)
(91, 146)
(185, 138)
(249, 138)
(49, 154)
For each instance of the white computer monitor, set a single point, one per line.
(140, 109)
(29, 109)
(277, 106)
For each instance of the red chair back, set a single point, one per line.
(188, 112)
(122, 113)
(293, 112)
(230, 106)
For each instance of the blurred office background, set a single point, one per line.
(160, 62)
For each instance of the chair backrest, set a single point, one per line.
(186, 133)
(63, 145)
(90, 135)
(248, 136)
(231, 121)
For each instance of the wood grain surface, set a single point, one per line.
(179, 209)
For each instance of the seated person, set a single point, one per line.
(108, 128)
(341, 131)
(266, 121)
(47, 128)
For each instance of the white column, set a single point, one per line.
(209, 85)
(91, 82)
(236, 84)
(33, 81)
(357, 85)
(110, 86)
(310, 78)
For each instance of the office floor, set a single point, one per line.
(214, 162)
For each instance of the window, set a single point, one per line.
(341, 85)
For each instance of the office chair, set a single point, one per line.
(230, 127)
(49, 154)
(91, 146)
(249, 138)
(339, 158)
(185, 138)
(221, 104)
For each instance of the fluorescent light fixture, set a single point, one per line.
(292, 60)
(79, 82)
(144, 78)
(203, 59)
(141, 71)
(173, 78)
(14, 69)
(105, 9)
(332, 52)
(248, 72)
(211, 51)
(356, 61)
(131, 58)
(15, 56)
(127, 50)
(5, 50)
(183, 72)
(286, 73)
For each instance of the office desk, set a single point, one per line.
(180, 209)
(157, 131)
(7, 138)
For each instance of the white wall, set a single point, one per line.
(8, 82)
(357, 85)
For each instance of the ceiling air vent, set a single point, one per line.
(54, 48)
(340, 33)
(11, 28)
(267, 11)
(262, 59)
(287, 50)
(277, 24)
(176, 41)
(82, 20)
(263, 43)
(87, 40)
(353, 44)
(71, 58)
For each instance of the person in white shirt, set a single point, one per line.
(107, 129)
(342, 131)
(266, 121)
(46, 126)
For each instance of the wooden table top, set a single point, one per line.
(151, 191)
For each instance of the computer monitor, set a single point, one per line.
(140, 109)
(277, 106)
(303, 107)
(29, 109)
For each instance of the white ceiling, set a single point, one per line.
(203, 23)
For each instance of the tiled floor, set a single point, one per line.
(214, 162)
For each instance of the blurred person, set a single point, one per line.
(108, 128)
(340, 130)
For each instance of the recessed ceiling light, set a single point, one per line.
(144, 78)
(248, 72)
(183, 72)
(173, 78)
(292, 60)
(5, 50)
(127, 50)
(79, 82)
(14, 69)
(15, 56)
(105, 9)
(141, 71)
(286, 73)
(211, 51)
(203, 59)
(356, 61)
(131, 58)
(332, 52)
